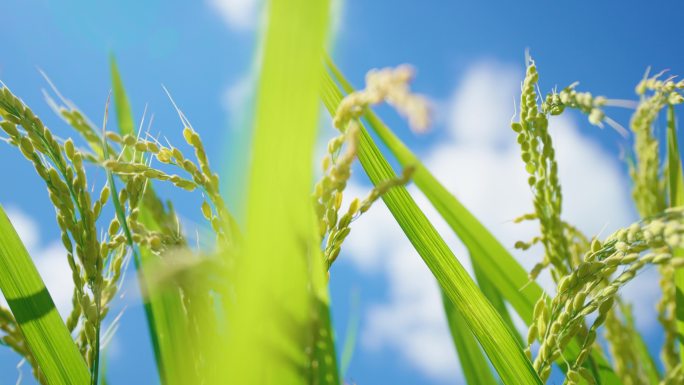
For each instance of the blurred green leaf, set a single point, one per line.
(279, 322)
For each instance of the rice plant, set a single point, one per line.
(253, 307)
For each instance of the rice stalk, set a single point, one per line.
(582, 293)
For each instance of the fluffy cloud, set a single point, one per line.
(238, 14)
(480, 164)
(483, 103)
(237, 95)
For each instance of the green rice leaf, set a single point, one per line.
(474, 363)
(166, 317)
(482, 319)
(152, 324)
(124, 116)
(485, 250)
(492, 258)
(495, 298)
(33, 309)
(155, 311)
(280, 317)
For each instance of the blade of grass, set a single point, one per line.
(486, 251)
(124, 116)
(33, 309)
(494, 336)
(496, 299)
(280, 281)
(474, 363)
(149, 314)
(163, 311)
(675, 184)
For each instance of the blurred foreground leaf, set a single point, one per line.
(279, 322)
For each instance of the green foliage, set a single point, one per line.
(140, 257)
(488, 255)
(473, 362)
(43, 339)
(124, 115)
(253, 308)
(280, 283)
(496, 338)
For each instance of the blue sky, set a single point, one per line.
(469, 61)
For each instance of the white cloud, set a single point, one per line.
(412, 323)
(238, 14)
(483, 103)
(481, 165)
(238, 94)
(51, 262)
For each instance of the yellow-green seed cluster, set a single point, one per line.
(200, 175)
(555, 103)
(97, 256)
(538, 154)
(655, 95)
(582, 292)
(565, 245)
(649, 192)
(389, 85)
(95, 264)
